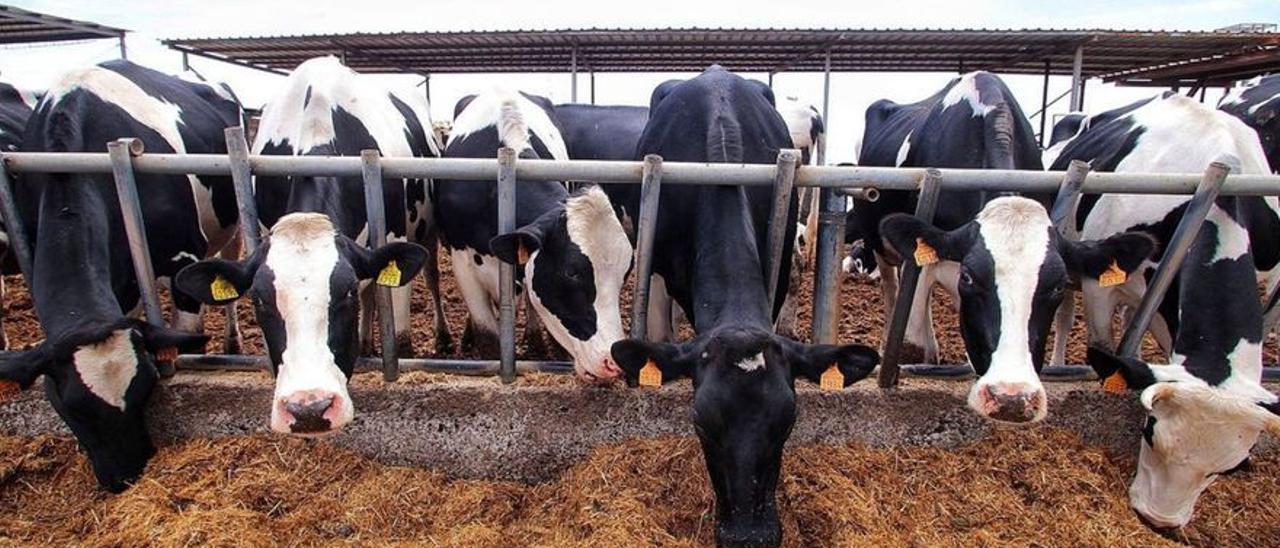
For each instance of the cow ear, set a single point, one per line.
(516, 247)
(22, 368)
(904, 234)
(810, 361)
(674, 361)
(1094, 258)
(157, 339)
(392, 265)
(1273, 422)
(1133, 374)
(216, 281)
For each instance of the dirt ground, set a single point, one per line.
(861, 321)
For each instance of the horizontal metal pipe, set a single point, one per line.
(865, 194)
(463, 169)
(223, 362)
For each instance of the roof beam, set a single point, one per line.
(12, 13)
(231, 60)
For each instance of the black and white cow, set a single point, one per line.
(303, 282)
(571, 247)
(1257, 102)
(1166, 134)
(601, 132)
(973, 122)
(15, 109)
(707, 250)
(98, 363)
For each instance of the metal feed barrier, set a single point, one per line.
(836, 184)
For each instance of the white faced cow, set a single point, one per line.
(571, 248)
(98, 363)
(326, 109)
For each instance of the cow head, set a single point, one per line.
(744, 406)
(304, 282)
(98, 379)
(861, 262)
(575, 260)
(1013, 271)
(1193, 434)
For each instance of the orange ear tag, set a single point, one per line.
(832, 379)
(8, 389)
(522, 255)
(1115, 384)
(1113, 276)
(925, 253)
(167, 355)
(650, 375)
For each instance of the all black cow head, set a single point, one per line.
(575, 259)
(1194, 432)
(98, 379)
(743, 410)
(304, 282)
(1012, 268)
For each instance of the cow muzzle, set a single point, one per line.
(599, 371)
(309, 412)
(1015, 402)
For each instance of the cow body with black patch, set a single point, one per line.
(571, 248)
(973, 122)
(707, 252)
(1257, 103)
(98, 363)
(304, 280)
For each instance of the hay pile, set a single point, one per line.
(1022, 487)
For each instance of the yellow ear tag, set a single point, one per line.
(222, 290)
(925, 253)
(8, 389)
(1113, 276)
(832, 379)
(390, 275)
(1115, 384)
(650, 375)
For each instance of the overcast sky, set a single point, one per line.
(36, 67)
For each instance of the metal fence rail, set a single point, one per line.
(836, 182)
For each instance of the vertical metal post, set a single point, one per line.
(783, 178)
(1064, 206)
(1176, 252)
(1044, 105)
(506, 272)
(186, 62)
(242, 179)
(593, 87)
(376, 211)
(124, 51)
(926, 206)
(426, 87)
(573, 74)
(826, 270)
(826, 110)
(122, 152)
(770, 79)
(1077, 91)
(18, 244)
(650, 190)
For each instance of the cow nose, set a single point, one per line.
(1012, 402)
(308, 410)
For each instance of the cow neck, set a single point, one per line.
(74, 260)
(728, 284)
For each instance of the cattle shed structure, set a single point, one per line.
(1127, 57)
(19, 26)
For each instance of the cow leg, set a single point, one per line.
(660, 321)
(481, 332)
(431, 272)
(4, 337)
(535, 334)
(1063, 320)
(1099, 311)
(186, 313)
(888, 291)
(232, 341)
(368, 303)
(401, 297)
(920, 345)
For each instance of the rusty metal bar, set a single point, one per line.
(507, 272)
(826, 269)
(782, 192)
(122, 152)
(242, 178)
(377, 229)
(650, 190)
(926, 206)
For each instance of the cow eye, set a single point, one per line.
(965, 278)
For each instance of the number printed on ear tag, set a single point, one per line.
(1113, 276)
(650, 374)
(832, 379)
(390, 275)
(222, 290)
(925, 253)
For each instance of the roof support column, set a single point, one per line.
(1077, 82)
(593, 86)
(1044, 103)
(124, 52)
(186, 62)
(573, 74)
(770, 79)
(426, 86)
(826, 108)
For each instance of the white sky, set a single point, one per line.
(35, 67)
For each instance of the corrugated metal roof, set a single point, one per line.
(1108, 53)
(19, 26)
